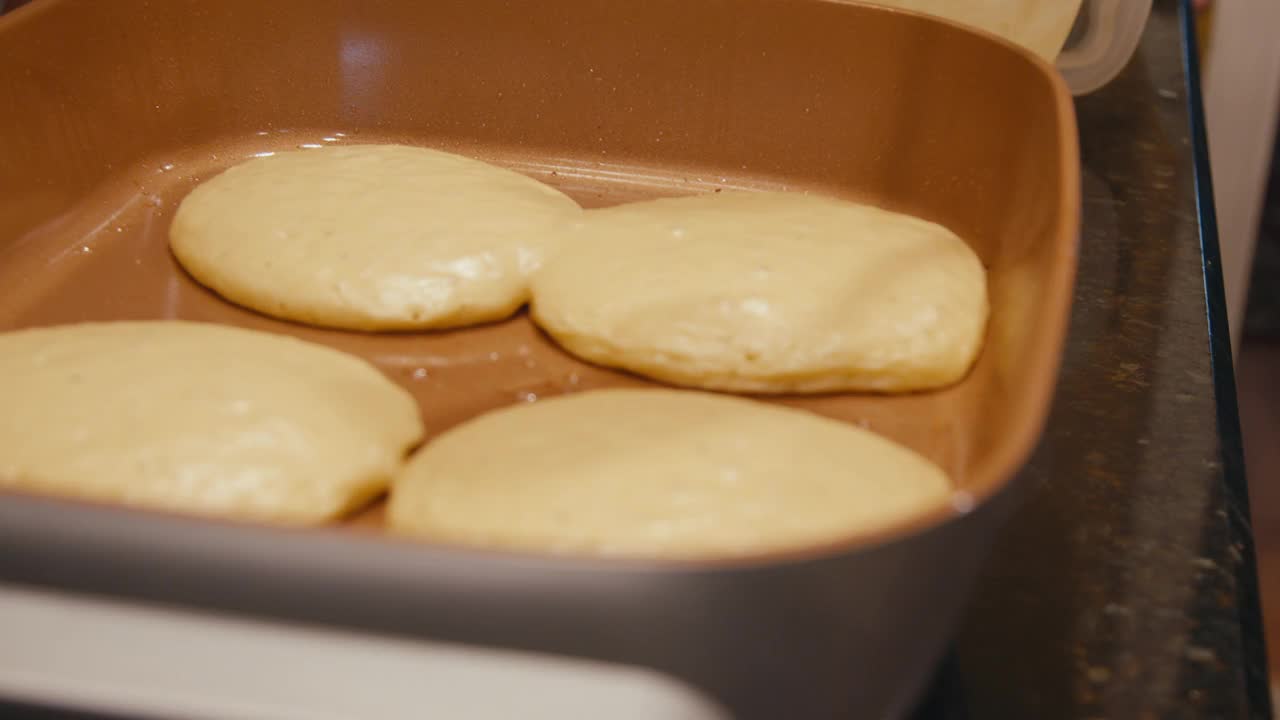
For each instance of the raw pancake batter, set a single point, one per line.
(766, 293)
(369, 237)
(658, 473)
(198, 418)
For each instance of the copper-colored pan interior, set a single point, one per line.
(113, 111)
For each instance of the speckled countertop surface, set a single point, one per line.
(1125, 586)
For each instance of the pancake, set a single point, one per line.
(658, 474)
(369, 237)
(766, 293)
(199, 419)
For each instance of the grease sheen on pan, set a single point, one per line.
(658, 474)
(766, 293)
(198, 418)
(369, 237)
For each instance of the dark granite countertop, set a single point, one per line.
(1125, 585)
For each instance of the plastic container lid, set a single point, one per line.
(1104, 38)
